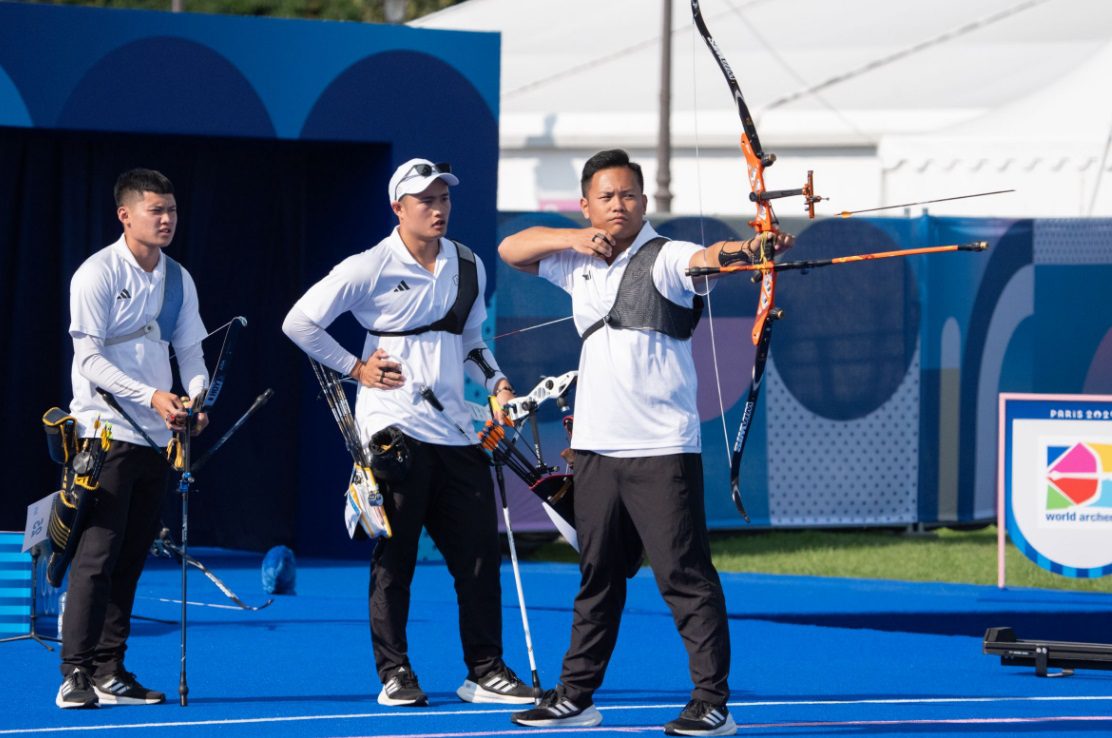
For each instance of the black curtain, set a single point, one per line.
(259, 222)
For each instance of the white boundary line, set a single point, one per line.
(614, 708)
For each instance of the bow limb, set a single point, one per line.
(747, 416)
(756, 160)
(763, 222)
(216, 381)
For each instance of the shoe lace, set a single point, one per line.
(79, 679)
(697, 709)
(125, 676)
(551, 697)
(502, 672)
(406, 678)
(554, 697)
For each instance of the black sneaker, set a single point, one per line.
(557, 710)
(76, 691)
(499, 684)
(401, 689)
(702, 718)
(122, 689)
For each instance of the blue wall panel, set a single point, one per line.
(280, 136)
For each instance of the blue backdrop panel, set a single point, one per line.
(280, 137)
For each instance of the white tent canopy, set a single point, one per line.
(886, 101)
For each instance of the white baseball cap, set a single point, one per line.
(416, 175)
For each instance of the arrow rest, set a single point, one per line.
(809, 196)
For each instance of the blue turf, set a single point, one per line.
(811, 656)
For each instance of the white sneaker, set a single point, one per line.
(402, 690)
(498, 685)
(556, 710)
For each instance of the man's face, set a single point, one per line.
(425, 215)
(615, 203)
(149, 219)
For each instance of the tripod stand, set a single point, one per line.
(202, 404)
(185, 483)
(32, 634)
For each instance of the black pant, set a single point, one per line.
(448, 490)
(661, 498)
(109, 558)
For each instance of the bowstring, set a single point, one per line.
(209, 335)
(703, 241)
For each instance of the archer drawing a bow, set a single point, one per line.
(764, 266)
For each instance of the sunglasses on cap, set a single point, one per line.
(423, 170)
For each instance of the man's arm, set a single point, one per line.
(723, 253)
(525, 249)
(379, 370)
(478, 360)
(317, 342)
(94, 366)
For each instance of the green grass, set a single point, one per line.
(939, 556)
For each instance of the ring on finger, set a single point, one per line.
(596, 237)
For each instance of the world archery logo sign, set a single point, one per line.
(1078, 483)
(1055, 476)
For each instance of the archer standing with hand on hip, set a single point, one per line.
(128, 302)
(638, 470)
(419, 296)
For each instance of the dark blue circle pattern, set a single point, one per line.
(151, 85)
(422, 107)
(837, 316)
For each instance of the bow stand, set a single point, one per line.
(179, 456)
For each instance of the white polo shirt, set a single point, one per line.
(110, 296)
(636, 389)
(385, 289)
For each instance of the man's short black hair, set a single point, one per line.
(140, 181)
(607, 160)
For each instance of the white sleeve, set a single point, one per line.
(479, 362)
(559, 269)
(342, 290)
(669, 273)
(91, 300)
(316, 341)
(191, 368)
(94, 366)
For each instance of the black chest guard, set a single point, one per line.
(456, 318)
(640, 306)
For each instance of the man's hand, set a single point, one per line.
(783, 242)
(780, 242)
(170, 408)
(200, 420)
(502, 395)
(379, 371)
(593, 242)
(728, 253)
